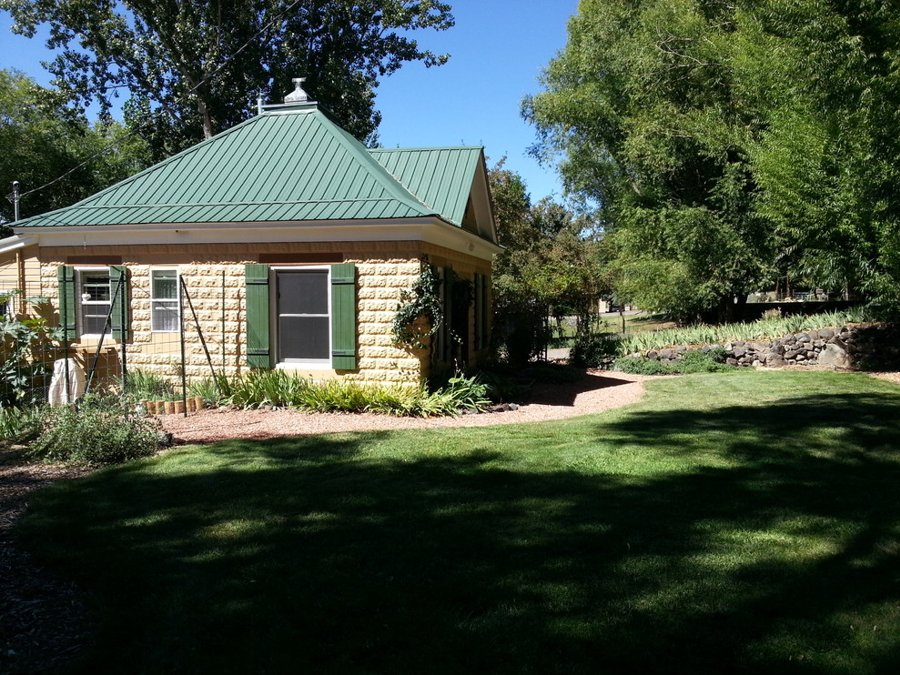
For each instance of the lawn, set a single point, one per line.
(745, 522)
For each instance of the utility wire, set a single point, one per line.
(128, 134)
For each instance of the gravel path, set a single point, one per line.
(890, 377)
(594, 393)
(42, 618)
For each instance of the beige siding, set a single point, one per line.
(20, 272)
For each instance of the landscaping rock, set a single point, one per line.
(863, 345)
(834, 356)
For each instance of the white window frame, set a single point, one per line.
(79, 302)
(176, 299)
(288, 364)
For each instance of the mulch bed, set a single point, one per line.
(44, 620)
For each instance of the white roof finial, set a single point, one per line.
(298, 95)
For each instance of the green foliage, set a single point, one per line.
(764, 329)
(146, 385)
(696, 361)
(594, 350)
(552, 258)
(420, 313)
(211, 389)
(40, 138)
(26, 348)
(732, 147)
(20, 425)
(260, 388)
(194, 67)
(98, 430)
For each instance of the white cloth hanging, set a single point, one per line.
(58, 394)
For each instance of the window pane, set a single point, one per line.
(165, 284)
(303, 337)
(164, 316)
(95, 286)
(303, 292)
(95, 320)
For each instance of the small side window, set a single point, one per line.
(164, 309)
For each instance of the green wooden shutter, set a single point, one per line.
(66, 276)
(257, 278)
(343, 316)
(118, 288)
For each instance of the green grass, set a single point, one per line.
(739, 523)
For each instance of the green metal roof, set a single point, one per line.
(286, 165)
(440, 177)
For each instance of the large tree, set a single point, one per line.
(195, 67)
(41, 138)
(731, 143)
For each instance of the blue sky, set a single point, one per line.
(498, 49)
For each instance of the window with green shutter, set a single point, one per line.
(302, 316)
(94, 301)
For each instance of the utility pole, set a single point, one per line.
(15, 200)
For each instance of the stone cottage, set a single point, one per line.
(283, 242)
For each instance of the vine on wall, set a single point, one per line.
(420, 313)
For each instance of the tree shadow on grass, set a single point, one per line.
(758, 540)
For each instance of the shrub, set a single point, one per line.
(697, 361)
(213, 390)
(20, 425)
(764, 329)
(142, 384)
(278, 388)
(99, 430)
(594, 351)
(26, 348)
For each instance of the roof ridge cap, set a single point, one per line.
(425, 148)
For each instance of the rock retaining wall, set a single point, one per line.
(868, 346)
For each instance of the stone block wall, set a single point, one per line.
(214, 277)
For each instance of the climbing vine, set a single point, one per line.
(420, 313)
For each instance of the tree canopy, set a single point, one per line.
(731, 145)
(194, 67)
(41, 138)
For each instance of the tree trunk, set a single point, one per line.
(208, 131)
